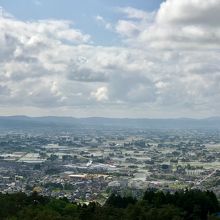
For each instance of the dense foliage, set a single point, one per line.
(155, 205)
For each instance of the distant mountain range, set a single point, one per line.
(20, 122)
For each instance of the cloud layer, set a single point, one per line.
(167, 66)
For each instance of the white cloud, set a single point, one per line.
(167, 66)
(190, 12)
(134, 13)
(127, 28)
(101, 94)
(184, 24)
(102, 21)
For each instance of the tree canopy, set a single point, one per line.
(155, 205)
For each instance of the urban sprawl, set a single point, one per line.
(87, 165)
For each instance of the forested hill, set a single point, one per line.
(183, 205)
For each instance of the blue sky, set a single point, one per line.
(82, 13)
(68, 9)
(111, 58)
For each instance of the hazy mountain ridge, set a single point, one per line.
(51, 121)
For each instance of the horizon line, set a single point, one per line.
(104, 117)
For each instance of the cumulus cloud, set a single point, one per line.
(168, 64)
(101, 94)
(190, 12)
(185, 24)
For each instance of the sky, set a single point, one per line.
(133, 59)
